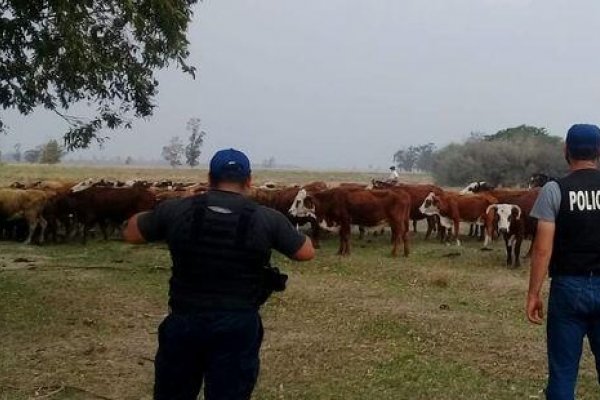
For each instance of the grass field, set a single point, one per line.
(79, 322)
(10, 173)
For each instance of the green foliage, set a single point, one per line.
(196, 139)
(509, 157)
(32, 155)
(51, 153)
(415, 157)
(523, 132)
(173, 151)
(56, 54)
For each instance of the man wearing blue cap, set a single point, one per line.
(567, 244)
(220, 244)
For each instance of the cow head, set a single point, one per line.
(303, 205)
(431, 205)
(472, 187)
(83, 185)
(507, 214)
(539, 180)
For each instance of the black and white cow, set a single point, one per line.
(476, 230)
(539, 180)
(477, 187)
(512, 228)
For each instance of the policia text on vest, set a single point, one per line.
(584, 200)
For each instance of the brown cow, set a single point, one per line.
(368, 208)
(282, 201)
(27, 204)
(418, 193)
(103, 205)
(453, 208)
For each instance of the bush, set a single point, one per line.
(506, 162)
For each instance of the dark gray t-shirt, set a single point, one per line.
(269, 229)
(547, 205)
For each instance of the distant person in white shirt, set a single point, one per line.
(393, 177)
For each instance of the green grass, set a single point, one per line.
(10, 173)
(367, 326)
(446, 323)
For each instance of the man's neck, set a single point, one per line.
(583, 164)
(230, 188)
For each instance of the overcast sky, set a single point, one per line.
(345, 83)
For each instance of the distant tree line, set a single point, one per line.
(50, 152)
(508, 157)
(412, 158)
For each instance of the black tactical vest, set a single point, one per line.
(577, 236)
(213, 268)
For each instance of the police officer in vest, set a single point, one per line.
(220, 244)
(567, 244)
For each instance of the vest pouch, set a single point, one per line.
(273, 280)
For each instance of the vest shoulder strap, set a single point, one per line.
(244, 224)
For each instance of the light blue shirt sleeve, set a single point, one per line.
(547, 205)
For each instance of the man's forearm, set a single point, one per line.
(131, 232)
(539, 269)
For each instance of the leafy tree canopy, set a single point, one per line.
(56, 54)
(523, 132)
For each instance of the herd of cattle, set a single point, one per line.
(57, 210)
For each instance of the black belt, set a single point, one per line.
(588, 273)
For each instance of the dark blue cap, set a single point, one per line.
(583, 140)
(229, 164)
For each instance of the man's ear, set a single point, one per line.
(566, 151)
(248, 183)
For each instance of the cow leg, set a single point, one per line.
(414, 224)
(85, 230)
(345, 231)
(518, 243)
(315, 233)
(44, 224)
(404, 233)
(33, 223)
(471, 230)
(528, 255)
(442, 233)
(102, 224)
(430, 225)
(361, 233)
(488, 229)
(456, 232)
(395, 239)
(508, 244)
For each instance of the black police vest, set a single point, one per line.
(213, 268)
(577, 235)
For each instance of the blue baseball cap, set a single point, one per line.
(583, 140)
(229, 164)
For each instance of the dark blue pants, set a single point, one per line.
(573, 313)
(219, 348)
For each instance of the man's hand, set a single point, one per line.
(535, 309)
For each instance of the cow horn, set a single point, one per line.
(518, 211)
(489, 208)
